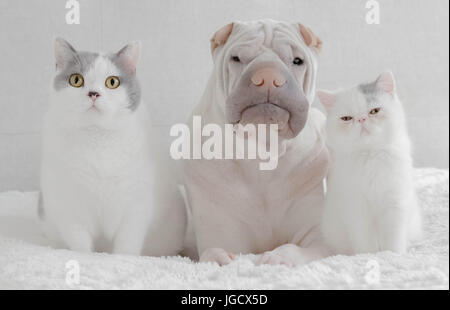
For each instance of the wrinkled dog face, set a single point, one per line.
(267, 70)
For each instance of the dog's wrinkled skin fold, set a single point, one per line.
(236, 207)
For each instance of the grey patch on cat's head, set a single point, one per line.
(370, 91)
(41, 211)
(80, 62)
(129, 81)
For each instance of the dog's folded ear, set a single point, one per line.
(310, 38)
(221, 36)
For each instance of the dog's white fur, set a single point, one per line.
(238, 208)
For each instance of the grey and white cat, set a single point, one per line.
(370, 203)
(105, 186)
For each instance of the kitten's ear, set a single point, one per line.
(386, 83)
(129, 55)
(64, 52)
(328, 99)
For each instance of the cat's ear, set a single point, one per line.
(64, 52)
(129, 55)
(386, 83)
(328, 99)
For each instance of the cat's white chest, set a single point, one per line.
(361, 188)
(95, 178)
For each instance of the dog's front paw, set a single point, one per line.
(216, 255)
(273, 258)
(287, 254)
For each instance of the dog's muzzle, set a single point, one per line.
(266, 94)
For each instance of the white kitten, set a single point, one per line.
(370, 204)
(104, 186)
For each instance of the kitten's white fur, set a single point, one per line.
(105, 186)
(370, 203)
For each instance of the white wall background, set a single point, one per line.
(412, 40)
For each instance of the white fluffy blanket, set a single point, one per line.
(28, 262)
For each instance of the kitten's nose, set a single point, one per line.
(362, 119)
(93, 95)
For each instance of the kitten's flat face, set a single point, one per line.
(92, 88)
(365, 115)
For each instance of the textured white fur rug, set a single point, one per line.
(28, 262)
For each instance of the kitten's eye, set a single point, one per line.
(112, 82)
(298, 61)
(76, 80)
(346, 118)
(374, 111)
(235, 59)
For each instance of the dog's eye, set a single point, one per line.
(235, 59)
(298, 61)
(374, 111)
(346, 118)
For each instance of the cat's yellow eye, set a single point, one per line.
(374, 111)
(346, 118)
(112, 82)
(76, 80)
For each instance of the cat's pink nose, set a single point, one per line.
(362, 120)
(268, 78)
(93, 95)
